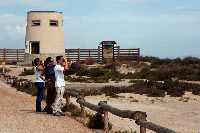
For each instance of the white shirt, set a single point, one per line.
(38, 75)
(60, 81)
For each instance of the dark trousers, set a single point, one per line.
(51, 95)
(40, 94)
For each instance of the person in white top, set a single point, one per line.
(39, 82)
(59, 70)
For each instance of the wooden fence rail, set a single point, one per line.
(17, 55)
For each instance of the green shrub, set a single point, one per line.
(74, 109)
(27, 88)
(77, 79)
(149, 88)
(97, 72)
(82, 72)
(89, 61)
(27, 72)
(166, 69)
(101, 79)
(75, 67)
(100, 75)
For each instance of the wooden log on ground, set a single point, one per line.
(154, 127)
(135, 115)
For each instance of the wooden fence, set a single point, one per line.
(12, 55)
(82, 54)
(103, 108)
(17, 55)
(121, 54)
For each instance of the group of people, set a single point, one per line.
(50, 75)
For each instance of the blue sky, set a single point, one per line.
(164, 28)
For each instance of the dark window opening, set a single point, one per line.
(35, 22)
(35, 47)
(53, 23)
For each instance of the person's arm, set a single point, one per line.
(40, 68)
(66, 65)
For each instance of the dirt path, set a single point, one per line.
(17, 115)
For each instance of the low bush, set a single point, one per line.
(73, 109)
(75, 67)
(28, 88)
(27, 72)
(159, 70)
(77, 79)
(149, 88)
(100, 75)
(89, 61)
(81, 79)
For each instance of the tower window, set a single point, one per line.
(35, 22)
(53, 23)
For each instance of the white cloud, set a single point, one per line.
(12, 30)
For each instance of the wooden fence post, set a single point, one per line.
(118, 52)
(17, 56)
(98, 53)
(143, 129)
(89, 52)
(4, 55)
(67, 100)
(106, 128)
(138, 57)
(106, 120)
(3, 64)
(79, 55)
(68, 53)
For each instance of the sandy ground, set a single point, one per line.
(17, 115)
(169, 112)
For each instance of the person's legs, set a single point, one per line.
(55, 105)
(51, 94)
(58, 104)
(40, 93)
(46, 88)
(62, 104)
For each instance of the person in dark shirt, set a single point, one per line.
(49, 84)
